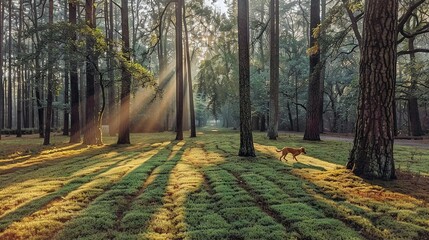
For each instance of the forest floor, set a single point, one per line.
(157, 188)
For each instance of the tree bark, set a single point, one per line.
(246, 138)
(111, 89)
(312, 129)
(74, 82)
(50, 99)
(179, 71)
(124, 122)
(372, 152)
(19, 114)
(9, 84)
(189, 75)
(274, 71)
(89, 137)
(1, 68)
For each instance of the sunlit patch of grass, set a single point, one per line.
(23, 198)
(60, 210)
(380, 212)
(115, 202)
(170, 218)
(202, 190)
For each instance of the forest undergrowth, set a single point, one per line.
(199, 188)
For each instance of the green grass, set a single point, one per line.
(199, 188)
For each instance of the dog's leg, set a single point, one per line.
(294, 157)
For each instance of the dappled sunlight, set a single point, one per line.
(358, 201)
(169, 221)
(302, 158)
(63, 209)
(157, 188)
(199, 157)
(17, 195)
(185, 178)
(354, 188)
(48, 156)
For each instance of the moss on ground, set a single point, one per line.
(200, 189)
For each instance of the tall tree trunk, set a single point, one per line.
(89, 137)
(413, 106)
(312, 129)
(19, 114)
(189, 75)
(74, 82)
(38, 76)
(1, 68)
(9, 84)
(372, 152)
(322, 72)
(124, 123)
(179, 71)
(274, 71)
(50, 99)
(66, 83)
(66, 98)
(246, 137)
(111, 74)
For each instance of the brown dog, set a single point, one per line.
(295, 152)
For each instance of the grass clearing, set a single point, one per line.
(200, 189)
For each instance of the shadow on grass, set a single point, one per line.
(299, 165)
(407, 183)
(38, 203)
(124, 211)
(64, 166)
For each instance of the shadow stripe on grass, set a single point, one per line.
(22, 192)
(295, 215)
(40, 203)
(106, 217)
(58, 166)
(47, 222)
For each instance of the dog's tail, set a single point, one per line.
(278, 150)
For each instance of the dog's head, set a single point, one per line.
(303, 150)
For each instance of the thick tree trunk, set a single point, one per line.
(179, 71)
(273, 125)
(124, 123)
(372, 152)
(1, 68)
(312, 129)
(246, 138)
(74, 83)
(89, 137)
